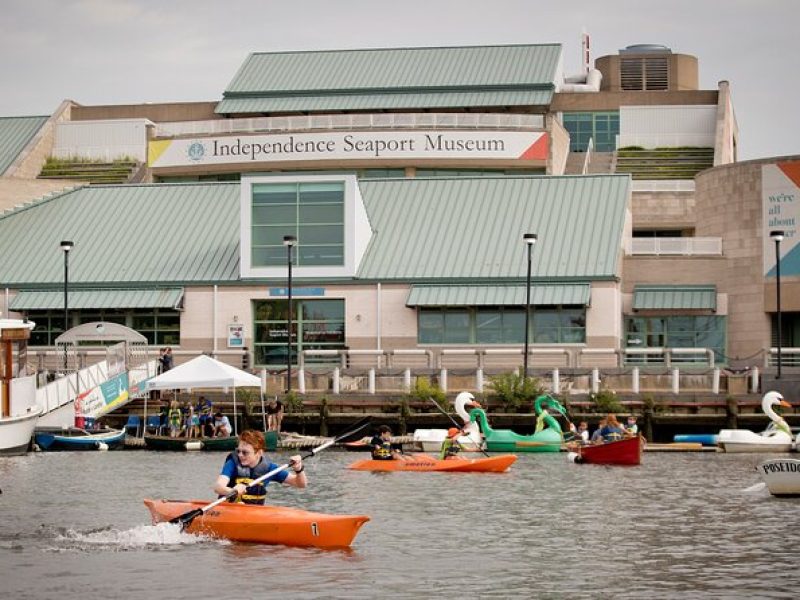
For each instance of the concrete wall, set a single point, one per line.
(575, 102)
(158, 113)
(663, 210)
(729, 205)
(14, 191)
(29, 163)
(727, 129)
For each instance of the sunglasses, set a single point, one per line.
(244, 452)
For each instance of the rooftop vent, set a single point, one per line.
(646, 48)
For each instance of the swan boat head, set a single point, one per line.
(462, 402)
(776, 399)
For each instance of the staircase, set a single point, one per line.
(664, 163)
(118, 171)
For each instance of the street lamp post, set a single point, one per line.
(530, 240)
(777, 237)
(66, 246)
(289, 241)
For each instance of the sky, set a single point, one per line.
(134, 51)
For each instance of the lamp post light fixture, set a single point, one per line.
(66, 246)
(777, 237)
(289, 241)
(529, 239)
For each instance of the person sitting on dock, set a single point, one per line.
(451, 446)
(631, 428)
(612, 431)
(222, 425)
(381, 445)
(247, 463)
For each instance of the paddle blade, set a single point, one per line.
(186, 519)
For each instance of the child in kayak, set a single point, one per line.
(450, 446)
(247, 463)
(381, 445)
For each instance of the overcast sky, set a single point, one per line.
(134, 51)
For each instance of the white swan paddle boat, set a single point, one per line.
(430, 440)
(776, 438)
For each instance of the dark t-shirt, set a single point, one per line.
(274, 409)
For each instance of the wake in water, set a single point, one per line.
(141, 537)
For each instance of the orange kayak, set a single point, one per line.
(424, 462)
(263, 524)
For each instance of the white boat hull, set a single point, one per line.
(16, 433)
(430, 440)
(782, 476)
(742, 440)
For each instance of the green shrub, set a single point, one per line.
(513, 391)
(424, 389)
(606, 401)
(293, 402)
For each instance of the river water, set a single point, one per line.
(682, 525)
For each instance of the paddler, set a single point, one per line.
(247, 463)
(381, 445)
(451, 446)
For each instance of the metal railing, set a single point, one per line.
(676, 246)
(351, 121)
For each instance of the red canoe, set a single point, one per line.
(623, 452)
(423, 462)
(263, 524)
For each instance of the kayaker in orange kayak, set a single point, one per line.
(450, 446)
(381, 445)
(247, 463)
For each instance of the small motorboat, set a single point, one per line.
(781, 475)
(72, 438)
(262, 524)
(776, 438)
(424, 462)
(627, 451)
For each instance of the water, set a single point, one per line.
(72, 525)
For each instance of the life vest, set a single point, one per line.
(256, 494)
(381, 449)
(174, 416)
(450, 448)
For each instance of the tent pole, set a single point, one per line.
(234, 410)
(263, 412)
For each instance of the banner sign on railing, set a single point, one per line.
(103, 398)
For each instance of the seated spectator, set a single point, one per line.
(613, 430)
(205, 412)
(597, 436)
(631, 428)
(222, 426)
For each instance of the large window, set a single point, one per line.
(501, 325)
(677, 332)
(161, 327)
(316, 325)
(311, 211)
(602, 127)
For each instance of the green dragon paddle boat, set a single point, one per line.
(548, 436)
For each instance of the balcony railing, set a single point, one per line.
(347, 122)
(676, 246)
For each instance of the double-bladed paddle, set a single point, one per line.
(446, 414)
(185, 519)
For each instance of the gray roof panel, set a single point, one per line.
(15, 133)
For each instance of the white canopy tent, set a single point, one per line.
(204, 372)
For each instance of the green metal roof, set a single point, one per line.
(439, 230)
(675, 297)
(394, 78)
(498, 295)
(15, 133)
(124, 235)
(464, 228)
(387, 101)
(89, 299)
